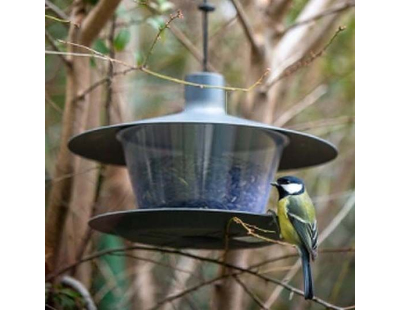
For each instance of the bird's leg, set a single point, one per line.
(275, 218)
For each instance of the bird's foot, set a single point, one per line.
(275, 218)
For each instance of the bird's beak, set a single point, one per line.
(274, 184)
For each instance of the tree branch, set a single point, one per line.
(60, 13)
(189, 45)
(219, 278)
(205, 259)
(96, 20)
(55, 47)
(247, 28)
(316, 17)
(323, 123)
(303, 62)
(296, 109)
(250, 293)
(178, 14)
(99, 55)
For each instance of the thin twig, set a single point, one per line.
(53, 104)
(341, 120)
(182, 38)
(222, 30)
(223, 276)
(55, 47)
(250, 230)
(205, 259)
(101, 82)
(303, 62)
(185, 41)
(99, 55)
(328, 12)
(65, 21)
(110, 72)
(250, 293)
(227, 88)
(149, 260)
(60, 13)
(71, 175)
(178, 14)
(299, 107)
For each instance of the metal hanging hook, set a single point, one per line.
(206, 8)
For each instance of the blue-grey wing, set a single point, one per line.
(307, 232)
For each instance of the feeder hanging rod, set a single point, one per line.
(206, 8)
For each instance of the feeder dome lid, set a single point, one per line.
(205, 105)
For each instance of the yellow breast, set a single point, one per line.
(287, 230)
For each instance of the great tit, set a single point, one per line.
(298, 225)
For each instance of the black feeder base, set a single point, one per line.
(186, 228)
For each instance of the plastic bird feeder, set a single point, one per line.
(195, 170)
(192, 172)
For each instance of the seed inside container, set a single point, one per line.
(220, 182)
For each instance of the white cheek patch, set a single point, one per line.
(292, 188)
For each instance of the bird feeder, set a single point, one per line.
(192, 172)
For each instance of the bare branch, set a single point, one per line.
(303, 62)
(189, 45)
(247, 28)
(251, 228)
(110, 73)
(178, 14)
(60, 13)
(65, 21)
(99, 55)
(341, 120)
(96, 20)
(55, 47)
(102, 81)
(328, 12)
(205, 259)
(220, 31)
(53, 104)
(219, 278)
(250, 293)
(296, 109)
(70, 175)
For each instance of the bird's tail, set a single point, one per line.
(307, 276)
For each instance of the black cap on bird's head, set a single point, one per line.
(289, 185)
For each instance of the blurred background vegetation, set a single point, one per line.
(318, 99)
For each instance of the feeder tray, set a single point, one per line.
(186, 228)
(193, 171)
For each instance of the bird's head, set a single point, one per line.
(289, 185)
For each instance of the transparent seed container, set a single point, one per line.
(201, 166)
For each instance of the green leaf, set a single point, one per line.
(67, 303)
(122, 39)
(139, 58)
(70, 292)
(100, 46)
(156, 22)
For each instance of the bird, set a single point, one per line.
(298, 224)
